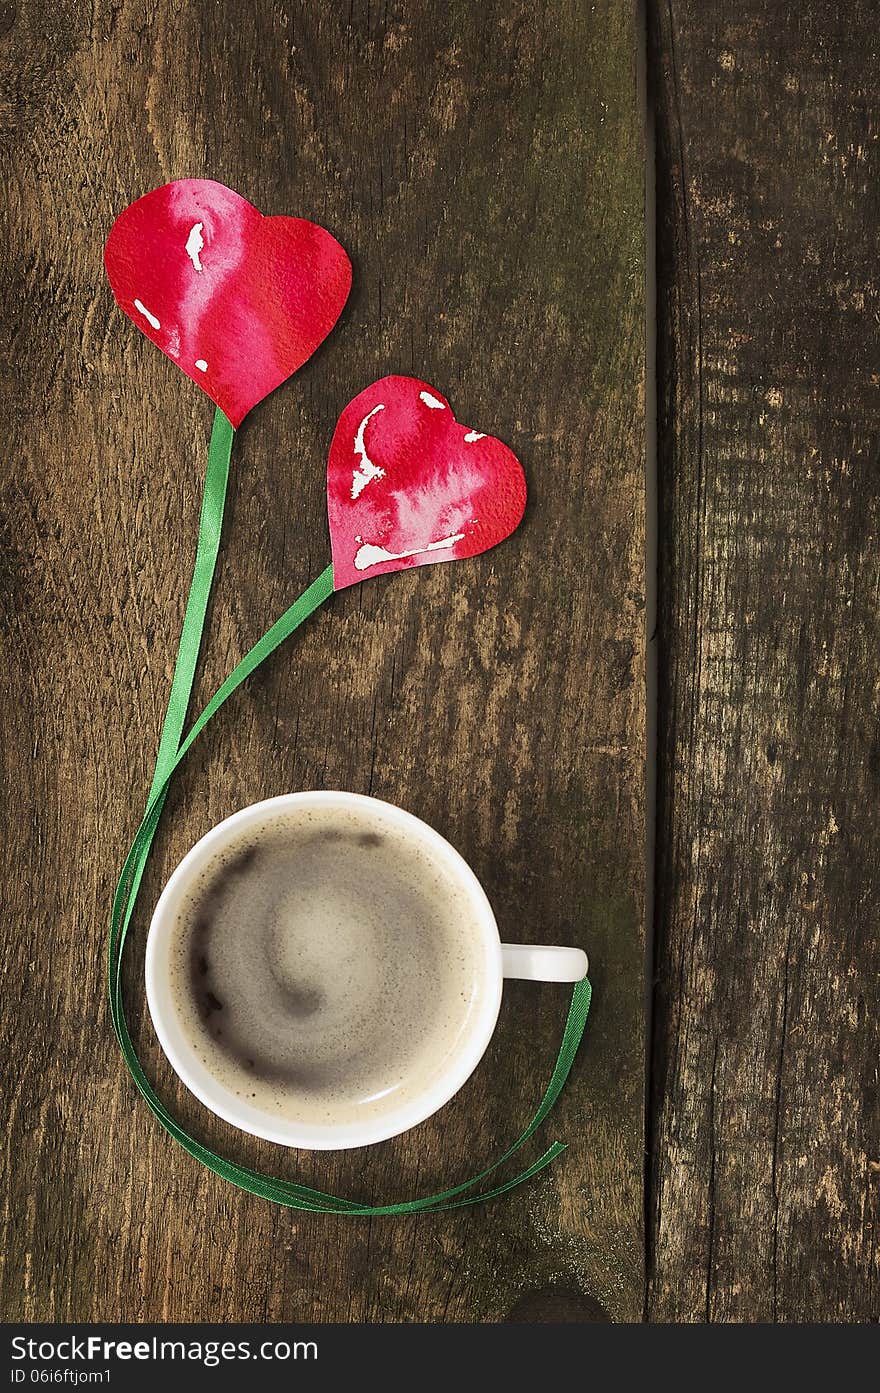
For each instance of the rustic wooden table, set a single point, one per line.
(765, 1117)
(485, 167)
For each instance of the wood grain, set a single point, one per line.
(484, 166)
(766, 1127)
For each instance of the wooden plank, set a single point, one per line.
(484, 165)
(765, 1144)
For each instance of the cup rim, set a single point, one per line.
(220, 1099)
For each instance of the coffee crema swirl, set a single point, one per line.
(325, 967)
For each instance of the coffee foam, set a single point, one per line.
(326, 968)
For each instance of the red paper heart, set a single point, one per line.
(237, 300)
(408, 485)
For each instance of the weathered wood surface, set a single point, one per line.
(484, 165)
(766, 1153)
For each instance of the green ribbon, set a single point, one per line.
(172, 751)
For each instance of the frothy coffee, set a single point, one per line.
(326, 966)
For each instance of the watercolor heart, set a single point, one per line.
(408, 485)
(237, 300)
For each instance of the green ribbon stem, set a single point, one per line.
(172, 751)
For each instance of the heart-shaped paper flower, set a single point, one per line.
(237, 300)
(407, 484)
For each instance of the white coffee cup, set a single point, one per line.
(496, 961)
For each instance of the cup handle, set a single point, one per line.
(531, 962)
